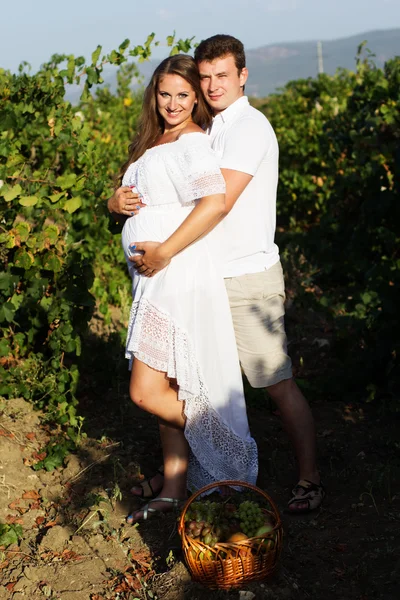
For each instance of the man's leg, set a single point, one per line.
(257, 305)
(298, 422)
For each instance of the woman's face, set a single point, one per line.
(175, 101)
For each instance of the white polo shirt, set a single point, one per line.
(244, 140)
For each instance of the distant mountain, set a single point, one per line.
(272, 66)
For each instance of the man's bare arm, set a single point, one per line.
(124, 202)
(236, 182)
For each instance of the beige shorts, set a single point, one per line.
(257, 306)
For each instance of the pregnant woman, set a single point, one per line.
(180, 341)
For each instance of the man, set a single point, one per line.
(246, 144)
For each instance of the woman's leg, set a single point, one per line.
(152, 392)
(150, 487)
(176, 458)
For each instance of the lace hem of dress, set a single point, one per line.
(217, 453)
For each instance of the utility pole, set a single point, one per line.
(320, 58)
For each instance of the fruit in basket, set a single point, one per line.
(251, 517)
(268, 542)
(239, 536)
(264, 529)
(213, 522)
(206, 555)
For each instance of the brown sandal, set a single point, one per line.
(307, 492)
(146, 490)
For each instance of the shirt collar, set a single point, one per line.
(230, 113)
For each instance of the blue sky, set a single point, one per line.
(33, 30)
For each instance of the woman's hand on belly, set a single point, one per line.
(151, 260)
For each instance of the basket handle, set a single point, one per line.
(230, 483)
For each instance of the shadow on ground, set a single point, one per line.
(75, 544)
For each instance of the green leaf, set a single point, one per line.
(8, 239)
(23, 259)
(91, 75)
(116, 58)
(5, 349)
(23, 229)
(51, 262)
(17, 300)
(170, 39)
(10, 193)
(52, 233)
(28, 200)
(52, 462)
(7, 311)
(95, 55)
(46, 303)
(7, 120)
(124, 45)
(56, 197)
(73, 204)
(9, 534)
(366, 298)
(71, 69)
(66, 181)
(78, 346)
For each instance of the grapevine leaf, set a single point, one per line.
(92, 76)
(9, 535)
(23, 228)
(28, 200)
(73, 204)
(124, 45)
(66, 181)
(17, 300)
(95, 55)
(52, 262)
(52, 233)
(7, 312)
(5, 348)
(23, 259)
(10, 193)
(56, 197)
(170, 39)
(71, 69)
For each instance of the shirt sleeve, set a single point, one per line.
(197, 174)
(246, 145)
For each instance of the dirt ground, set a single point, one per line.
(76, 545)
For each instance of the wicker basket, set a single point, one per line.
(228, 565)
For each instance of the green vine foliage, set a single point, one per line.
(299, 114)
(339, 205)
(58, 254)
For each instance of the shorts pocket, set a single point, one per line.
(255, 287)
(264, 285)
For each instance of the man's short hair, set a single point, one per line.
(219, 46)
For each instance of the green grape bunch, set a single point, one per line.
(251, 517)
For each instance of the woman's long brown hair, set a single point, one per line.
(151, 124)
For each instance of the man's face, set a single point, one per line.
(221, 83)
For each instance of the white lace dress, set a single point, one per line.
(180, 321)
